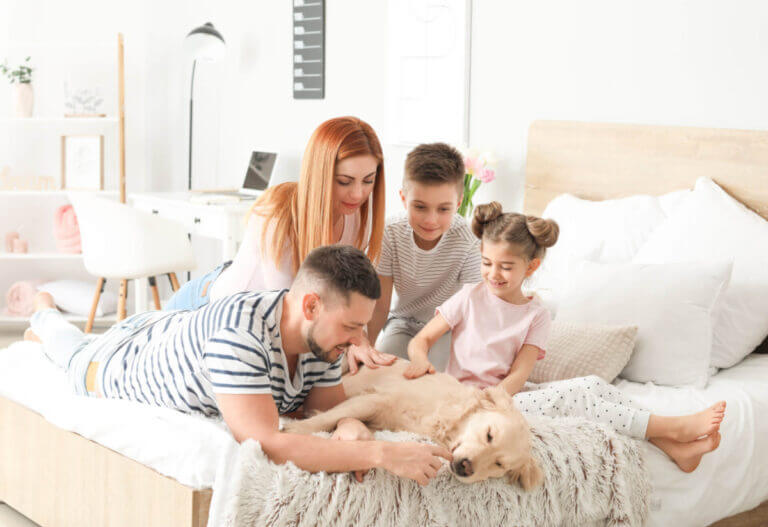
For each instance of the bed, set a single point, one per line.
(70, 461)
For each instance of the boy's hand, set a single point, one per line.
(365, 354)
(353, 430)
(418, 367)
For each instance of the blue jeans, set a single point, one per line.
(195, 293)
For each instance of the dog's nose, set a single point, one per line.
(462, 467)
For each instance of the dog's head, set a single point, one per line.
(494, 441)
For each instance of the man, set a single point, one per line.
(249, 357)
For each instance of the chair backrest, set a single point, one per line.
(120, 241)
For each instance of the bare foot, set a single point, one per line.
(704, 423)
(688, 455)
(687, 428)
(43, 301)
(31, 336)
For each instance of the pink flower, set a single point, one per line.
(487, 175)
(472, 164)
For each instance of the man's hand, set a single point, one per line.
(365, 354)
(349, 429)
(418, 367)
(416, 461)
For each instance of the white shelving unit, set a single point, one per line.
(31, 213)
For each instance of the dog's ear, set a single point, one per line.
(529, 476)
(498, 399)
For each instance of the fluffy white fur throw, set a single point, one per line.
(593, 476)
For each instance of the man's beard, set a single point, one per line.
(317, 351)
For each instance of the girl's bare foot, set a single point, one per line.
(688, 427)
(688, 455)
(43, 301)
(31, 336)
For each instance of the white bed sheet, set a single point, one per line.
(732, 479)
(194, 450)
(185, 447)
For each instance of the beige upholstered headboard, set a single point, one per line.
(599, 161)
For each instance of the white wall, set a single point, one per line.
(699, 63)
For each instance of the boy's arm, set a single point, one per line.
(254, 416)
(418, 347)
(521, 369)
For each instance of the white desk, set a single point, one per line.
(223, 221)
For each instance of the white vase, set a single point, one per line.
(25, 99)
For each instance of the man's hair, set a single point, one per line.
(434, 164)
(339, 269)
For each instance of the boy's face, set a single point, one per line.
(430, 208)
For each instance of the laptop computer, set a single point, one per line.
(261, 166)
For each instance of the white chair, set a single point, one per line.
(123, 243)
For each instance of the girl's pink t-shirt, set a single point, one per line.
(488, 332)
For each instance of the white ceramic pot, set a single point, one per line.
(25, 99)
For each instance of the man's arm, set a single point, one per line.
(322, 398)
(255, 417)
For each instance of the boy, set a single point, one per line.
(427, 254)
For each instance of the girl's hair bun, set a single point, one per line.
(485, 214)
(544, 232)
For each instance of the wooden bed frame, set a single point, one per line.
(598, 161)
(58, 478)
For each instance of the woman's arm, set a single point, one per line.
(418, 347)
(521, 369)
(365, 352)
(381, 311)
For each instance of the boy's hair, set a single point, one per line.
(340, 270)
(530, 233)
(434, 164)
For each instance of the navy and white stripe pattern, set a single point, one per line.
(423, 279)
(181, 359)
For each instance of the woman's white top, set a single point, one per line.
(253, 271)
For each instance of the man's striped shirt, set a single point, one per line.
(181, 359)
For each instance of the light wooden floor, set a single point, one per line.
(11, 518)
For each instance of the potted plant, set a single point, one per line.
(21, 76)
(477, 170)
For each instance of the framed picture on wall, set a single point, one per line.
(82, 162)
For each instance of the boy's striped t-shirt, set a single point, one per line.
(181, 359)
(423, 279)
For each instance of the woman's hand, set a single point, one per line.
(349, 429)
(418, 367)
(365, 354)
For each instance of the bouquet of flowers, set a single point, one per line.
(478, 170)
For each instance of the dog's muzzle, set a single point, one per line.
(462, 467)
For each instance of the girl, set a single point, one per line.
(499, 333)
(339, 199)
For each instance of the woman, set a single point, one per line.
(339, 199)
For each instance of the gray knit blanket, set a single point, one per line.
(593, 476)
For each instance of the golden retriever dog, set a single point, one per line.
(488, 437)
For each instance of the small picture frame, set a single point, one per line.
(82, 162)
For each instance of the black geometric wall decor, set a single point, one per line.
(308, 49)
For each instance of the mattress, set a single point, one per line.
(194, 449)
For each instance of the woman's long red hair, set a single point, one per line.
(301, 213)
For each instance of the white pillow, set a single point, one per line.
(671, 305)
(608, 231)
(76, 297)
(709, 225)
(576, 350)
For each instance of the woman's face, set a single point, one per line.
(353, 183)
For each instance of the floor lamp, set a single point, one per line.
(204, 43)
